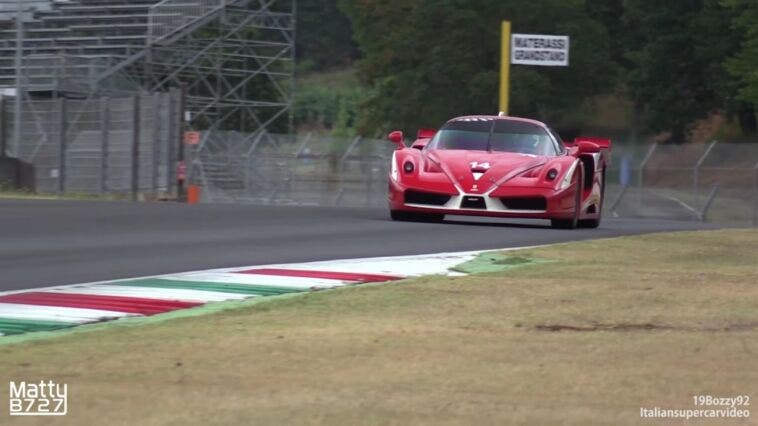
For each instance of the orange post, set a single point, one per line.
(193, 194)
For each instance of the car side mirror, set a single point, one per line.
(584, 147)
(396, 137)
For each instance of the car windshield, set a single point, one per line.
(480, 134)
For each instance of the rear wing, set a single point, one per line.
(604, 156)
(603, 143)
(422, 138)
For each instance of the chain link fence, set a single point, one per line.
(97, 144)
(708, 182)
(307, 169)
(122, 145)
(715, 181)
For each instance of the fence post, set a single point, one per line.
(18, 64)
(303, 145)
(135, 147)
(347, 153)
(156, 136)
(170, 141)
(62, 145)
(696, 176)
(3, 139)
(617, 201)
(105, 119)
(182, 126)
(702, 213)
(755, 195)
(340, 194)
(641, 172)
(370, 185)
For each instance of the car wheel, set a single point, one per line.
(594, 223)
(574, 221)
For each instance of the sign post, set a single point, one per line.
(528, 49)
(505, 66)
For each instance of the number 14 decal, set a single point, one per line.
(477, 165)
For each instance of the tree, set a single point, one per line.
(429, 60)
(324, 36)
(743, 64)
(677, 51)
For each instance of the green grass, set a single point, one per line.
(588, 335)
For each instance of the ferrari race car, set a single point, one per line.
(498, 166)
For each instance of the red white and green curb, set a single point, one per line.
(59, 307)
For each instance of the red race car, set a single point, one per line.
(500, 167)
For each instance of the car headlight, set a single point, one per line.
(393, 168)
(566, 182)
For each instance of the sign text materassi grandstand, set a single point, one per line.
(538, 49)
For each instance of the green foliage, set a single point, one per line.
(324, 37)
(677, 54)
(744, 64)
(328, 101)
(425, 61)
(429, 60)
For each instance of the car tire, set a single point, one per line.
(594, 223)
(574, 221)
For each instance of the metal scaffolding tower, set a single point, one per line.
(235, 60)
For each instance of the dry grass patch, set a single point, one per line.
(648, 320)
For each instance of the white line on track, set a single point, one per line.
(255, 279)
(152, 293)
(54, 313)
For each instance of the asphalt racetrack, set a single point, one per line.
(46, 242)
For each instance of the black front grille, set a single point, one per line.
(524, 203)
(430, 198)
(473, 203)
